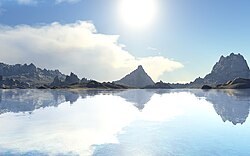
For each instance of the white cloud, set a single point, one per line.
(152, 49)
(27, 2)
(67, 1)
(76, 47)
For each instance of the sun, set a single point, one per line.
(138, 13)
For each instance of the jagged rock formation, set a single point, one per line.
(84, 80)
(138, 78)
(8, 83)
(29, 74)
(159, 85)
(72, 79)
(69, 80)
(226, 69)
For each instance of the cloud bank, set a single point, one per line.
(76, 47)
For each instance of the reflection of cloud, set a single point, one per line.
(76, 128)
(76, 47)
(67, 129)
(160, 110)
(98, 118)
(154, 135)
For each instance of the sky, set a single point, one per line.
(174, 40)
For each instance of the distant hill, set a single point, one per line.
(29, 74)
(159, 85)
(137, 78)
(226, 69)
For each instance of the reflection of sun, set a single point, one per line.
(138, 13)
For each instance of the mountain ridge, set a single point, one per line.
(30, 74)
(227, 69)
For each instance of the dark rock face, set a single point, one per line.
(95, 84)
(56, 82)
(138, 78)
(159, 85)
(72, 79)
(29, 74)
(9, 83)
(226, 69)
(206, 87)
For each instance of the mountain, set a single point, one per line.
(29, 74)
(137, 78)
(226, 69)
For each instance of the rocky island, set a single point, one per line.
(228, 73)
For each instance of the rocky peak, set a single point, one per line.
(226, 69)
(137, 78)
(31, 68)
(72, 79)
(140, 67)
(140, 70)
(231, 63)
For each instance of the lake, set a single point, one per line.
(125, 122)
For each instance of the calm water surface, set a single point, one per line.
(125, 123)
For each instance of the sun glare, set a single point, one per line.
(138, 13)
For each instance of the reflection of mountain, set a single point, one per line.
(138, 97)
(28, 100)
(231, 105)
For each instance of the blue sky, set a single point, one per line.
(194, 33)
